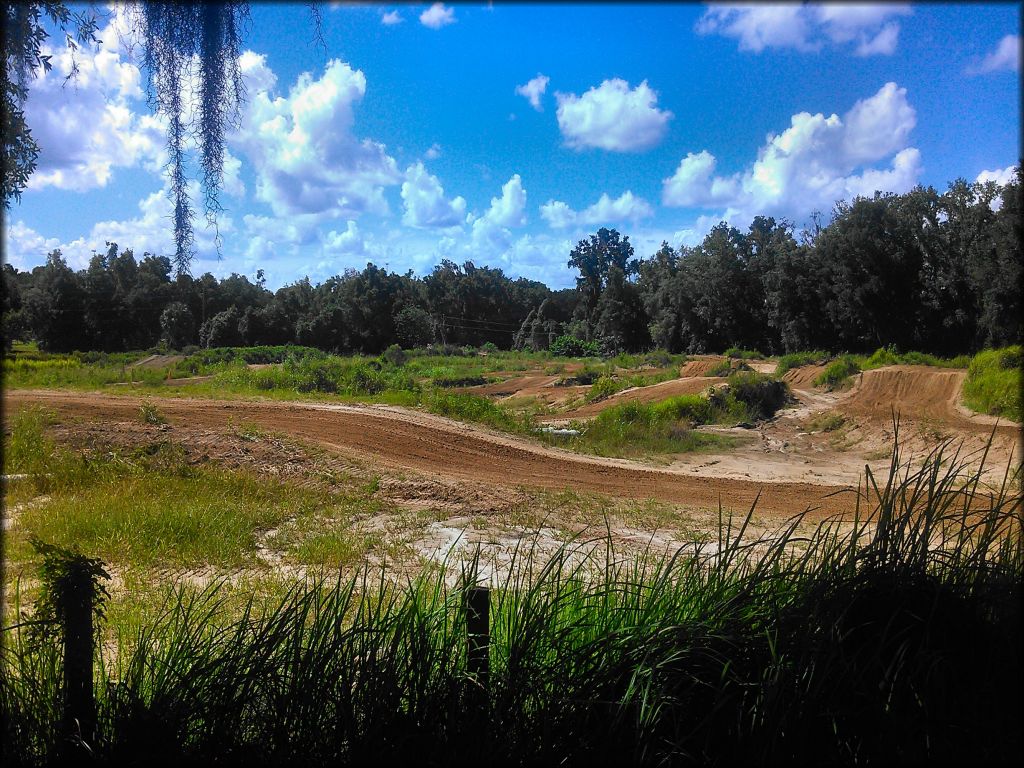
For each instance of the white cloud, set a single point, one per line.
(491, 232)
(626, 207)
(813, 163)
(883, 44)
(24, 247)
(509, 210)
(558, 214)
(533, 90)
(425, 204)
(86, 127)
(613, 117)
(1006, 57)
(302, 147)
(391, 18)
(807, 27)
(433, 152)
(1001, 176)
(348, 243)
(438, 15)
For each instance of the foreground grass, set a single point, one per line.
(897, 638)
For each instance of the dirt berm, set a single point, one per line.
(397, 439)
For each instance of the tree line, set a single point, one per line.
(934, 272)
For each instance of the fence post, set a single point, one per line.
(79, 703)
(478, 608)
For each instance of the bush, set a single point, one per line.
(570, 346)
(395, 355)
(798, 360)
(761, 395)
(743, 354)
(838, 373)
(604, 387)
(993, 384)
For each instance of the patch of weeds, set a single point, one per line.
(993, 384)
(150, 414)
(837, 374)
(826, 422)
(799, 360)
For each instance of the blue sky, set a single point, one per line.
(505, 134)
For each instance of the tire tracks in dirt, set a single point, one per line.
(399, 439)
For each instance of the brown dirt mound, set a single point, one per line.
(803, 377)
(916, 392)
(651, 394)
(519, 385)
(700, 366)
(397, 439)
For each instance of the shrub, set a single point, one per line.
(993, 384)
(395, 355)
(798, 360)
(743, 354)
(604, 387)
(570, 346)
(761, 395)
(150, 414)
(838, 373)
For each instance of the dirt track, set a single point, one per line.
(398, 439)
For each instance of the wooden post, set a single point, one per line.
(79, 704)
(478, 606)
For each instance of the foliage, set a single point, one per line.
(150, 414)
(743, 354)
(993, 383)
(797, 360)
(762, 395)
(837, 373)
(570, 346)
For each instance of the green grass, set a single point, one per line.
(889, 356)
(632, 429)
(798, 360)
(743, 354)
(993, 383)
(837, 373)
(894, 637)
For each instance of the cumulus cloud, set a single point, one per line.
(491, 232)
(391, 18)
(807, 27)
(433, 152)
(303, 149)
(347, 243)
(86, 126)
(612, 116)
(1006, 57)
(533, 90)
(425, 204)
(148, 232)
(814, 162)
(1001, 176)
(626, 207)
(438, 15)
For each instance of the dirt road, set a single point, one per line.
(398, 439)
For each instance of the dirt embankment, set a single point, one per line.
(918, 393)
(803, 377)
(699, 366)
(397, 439)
